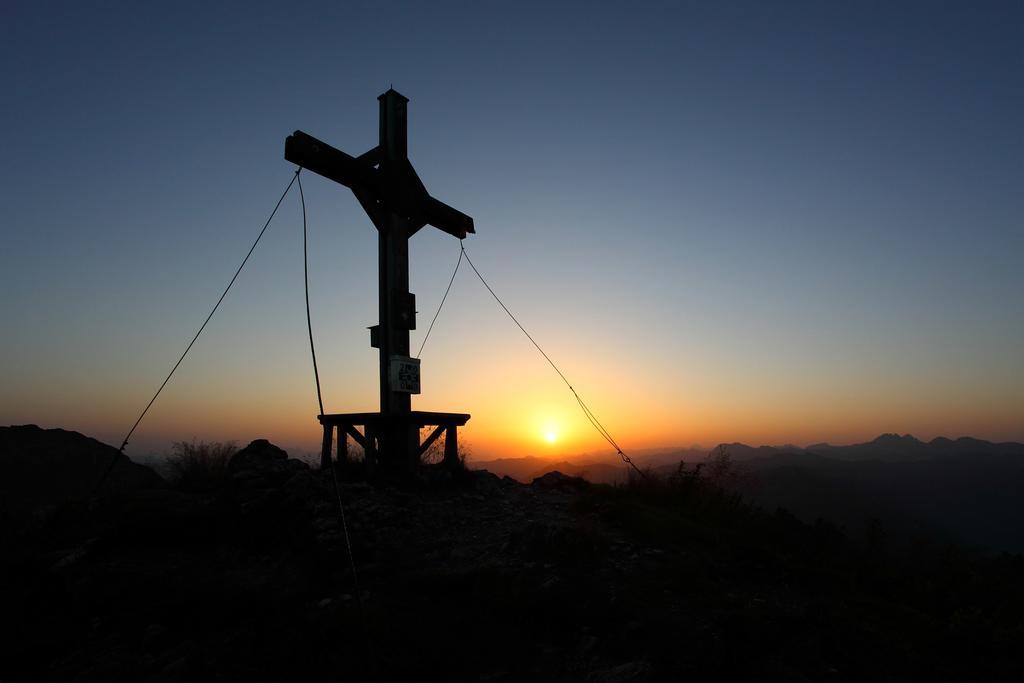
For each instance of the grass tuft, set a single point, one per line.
(200, 465)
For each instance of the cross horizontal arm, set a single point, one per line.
(333, 164)
(429, 211)
(444, 217)
(396, 187)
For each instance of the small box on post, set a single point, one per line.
(404, 306)
(405, 374)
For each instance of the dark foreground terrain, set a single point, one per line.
(465, 576)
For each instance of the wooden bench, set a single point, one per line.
(376, 424)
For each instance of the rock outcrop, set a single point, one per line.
(44, 467)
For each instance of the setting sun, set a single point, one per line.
(550, 430)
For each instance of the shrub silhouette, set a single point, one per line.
(198, 465)
(692, 501)
(720, 469)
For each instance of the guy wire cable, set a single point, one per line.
(202, 327)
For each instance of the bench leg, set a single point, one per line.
(370, 450)
(342, 445)
(325, 449)
(451, 446)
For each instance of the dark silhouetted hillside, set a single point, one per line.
(972, 498)
(465, 576)
(964, 490)
(41, 467)
(519, 469)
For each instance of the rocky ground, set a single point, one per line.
(466, 576)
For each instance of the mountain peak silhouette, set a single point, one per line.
(895, 439)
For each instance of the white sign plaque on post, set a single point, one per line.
(405, 374)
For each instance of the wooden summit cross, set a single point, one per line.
(392, 195)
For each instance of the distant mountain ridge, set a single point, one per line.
(528, 468)
(964, 490)
(884, 448)
(893, 447)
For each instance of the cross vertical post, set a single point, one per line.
(397, 316)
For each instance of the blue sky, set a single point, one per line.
(760, 221)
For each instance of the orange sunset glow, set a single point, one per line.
(521, 407)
